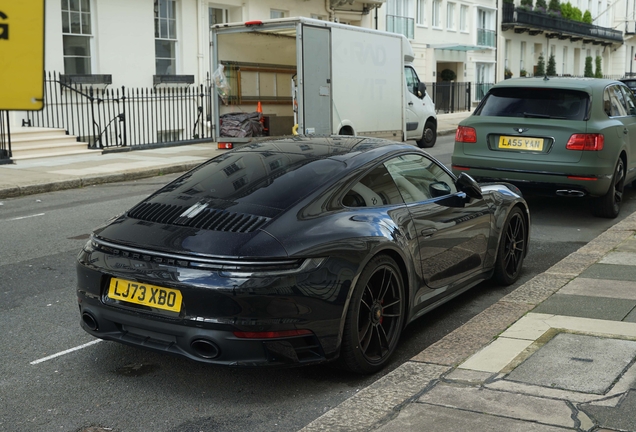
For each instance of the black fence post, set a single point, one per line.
(5, 138)
(122, 117)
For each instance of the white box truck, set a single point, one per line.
(317, 77)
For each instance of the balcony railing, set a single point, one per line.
(401, 25)
(537, 22)
(486, 37)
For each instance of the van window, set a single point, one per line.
(412, 81)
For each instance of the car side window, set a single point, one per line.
(419, 178)
(630, 101)
(613, 101)
(375, 189)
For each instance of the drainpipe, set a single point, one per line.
(329, 10)
(200, 38)
(497, 27)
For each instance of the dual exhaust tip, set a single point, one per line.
(201, 347)
(570, 193)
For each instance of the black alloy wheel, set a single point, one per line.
(375, 317)
(609, 205)
(512, 248)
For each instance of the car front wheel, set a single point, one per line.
(375, 317)
(609, 205)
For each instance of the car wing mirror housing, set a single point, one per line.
(469, 186)
(421, 89)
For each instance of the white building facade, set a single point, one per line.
(144, 43)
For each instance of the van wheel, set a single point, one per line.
(429, 136)
(609, 205)
(375, 317)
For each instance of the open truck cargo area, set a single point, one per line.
(313, 77)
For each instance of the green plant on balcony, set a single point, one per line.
(523, 72)
(526, 4)
(507, 73)
(554, 8)
(587, 17)
(571, 12)
(541, 6)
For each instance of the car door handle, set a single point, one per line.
(410, 103)
(428, 232)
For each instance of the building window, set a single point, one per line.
(564, 68)
(400, 18)
(165, 37)
(450, 16)
(463, 18)
(76, 35)
(421, 12)
(275, 13)
(217, 16)
(507, 54)
(437, 19)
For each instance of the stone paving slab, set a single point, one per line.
(620, 258)
(611, 272)
(586, 364)
(423, 417)
(500, 403)
(601, 288)
(612, 309)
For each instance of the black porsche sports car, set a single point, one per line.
(297, 251)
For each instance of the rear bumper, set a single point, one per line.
(208, 345)
(567, 178)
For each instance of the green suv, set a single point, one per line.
(571, 137)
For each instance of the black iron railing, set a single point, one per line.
(545, 22)
(105, 117)
(5, 138)
(449, 96)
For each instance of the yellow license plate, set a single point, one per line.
(144, 294)
(520, 143)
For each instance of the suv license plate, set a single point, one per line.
(520, 143)
(144, 294)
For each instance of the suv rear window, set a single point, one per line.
(535, 103)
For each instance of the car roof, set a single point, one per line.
(574, 83)
(319, 146)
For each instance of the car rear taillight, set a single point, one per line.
(466, 134)
(588, 142)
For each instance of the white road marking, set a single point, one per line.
(26, 217)
(66, 352)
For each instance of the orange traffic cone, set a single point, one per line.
(259, 109)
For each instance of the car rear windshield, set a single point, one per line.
(535, 102)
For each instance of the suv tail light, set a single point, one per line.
(589, 142)
(466, 134)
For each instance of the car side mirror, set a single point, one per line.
(469, 186)
(421, 90)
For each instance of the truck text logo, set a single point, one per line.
(4, 28)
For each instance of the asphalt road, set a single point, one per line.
(46, 387)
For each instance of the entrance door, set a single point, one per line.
(316, 81)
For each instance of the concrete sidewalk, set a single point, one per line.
(32, 176)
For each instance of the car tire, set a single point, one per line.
(375, 317)
(512, 248)
(429, 136)
(609, 205)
